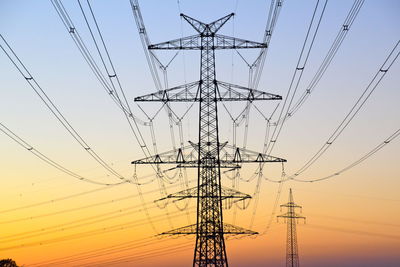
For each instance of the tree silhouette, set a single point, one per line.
(8, 263)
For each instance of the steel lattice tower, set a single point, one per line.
(209, 155)
(291, 217)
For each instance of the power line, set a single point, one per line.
(355, 163)
(143, 256)
(83, 222)
(153, 62)
(391, 58)
(344, 29)
(258, 65)
(300, 66)
(80, 44)
(46, 159)
(78, 256)
(108, 85)
(37, 204)
(256, 68)
(349, 231)
(297, 75)
(98, 231)
(53, 108)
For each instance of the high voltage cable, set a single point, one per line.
(149, 254)
(53, 108)
(91, 252)
(125, 246)
(109, 86)
(103, 230)
(344, 29)
(256, 68)
(126, 108)
(46, 159)
(355, 163)
(143, 256)
(353, 220)
(80, 44)
(55, 200)
(391, 58)
(301, 64)
(145, 42)
(83, 222)
(274, 207)
(152, 61)
(258, 65)
(68, 210)
(128, 114)
(140, 257)
(139, 244)
(358, 232)
(127, 111)
(348, 167)
(55, 228)
(32, 217)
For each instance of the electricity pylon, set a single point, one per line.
(291, 218)
(209, 155)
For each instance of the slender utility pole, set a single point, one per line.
(291, 217)
(209, 155)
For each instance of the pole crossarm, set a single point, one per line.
(228, 229)
(191, 93)
(193, 42)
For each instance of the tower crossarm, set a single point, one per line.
(230, 157)
(185, 157)
(193, 42)
(233, 154)
(290, 215)
(186, 154)
(228, 42)
(190, 93)
(192, 193)
(290, 205)
(235, 92)
(228, 229)
(183, 93)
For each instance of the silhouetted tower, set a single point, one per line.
(209, 155)
(291, 218)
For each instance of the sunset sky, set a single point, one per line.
(49, 218)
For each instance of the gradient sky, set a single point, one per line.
(352, 219)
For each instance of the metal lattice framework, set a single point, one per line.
(291, 217)
(208, 155)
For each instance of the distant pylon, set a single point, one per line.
(291, 218)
